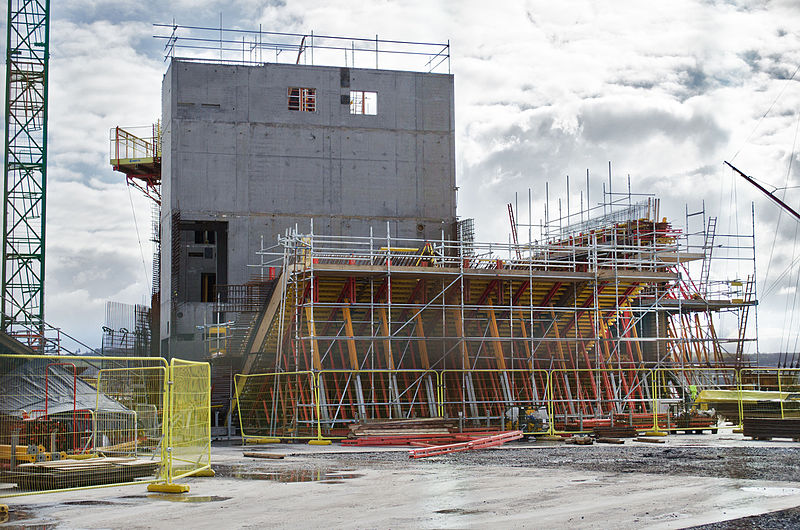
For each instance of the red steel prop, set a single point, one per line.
(481, 443)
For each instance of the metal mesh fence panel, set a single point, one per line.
(80, 421)
(190, 418)
(277, 405)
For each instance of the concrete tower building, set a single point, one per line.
(251, 151)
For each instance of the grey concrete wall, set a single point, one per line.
(234, 152)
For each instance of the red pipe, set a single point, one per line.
(74, 398)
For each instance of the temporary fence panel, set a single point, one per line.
(189, 449)
(584, 399)
(695, 399)
(348, 396)
(769, 393)
(496, 399)
(277, 405)
(140, 428)
(80, 421)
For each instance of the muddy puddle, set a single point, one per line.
(21, 518)
(324, 475)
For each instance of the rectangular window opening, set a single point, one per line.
(362, 102)
(303, 99)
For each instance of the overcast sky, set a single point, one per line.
(664, 90)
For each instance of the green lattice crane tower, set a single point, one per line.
(27, 58)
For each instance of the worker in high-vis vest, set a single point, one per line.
(693, 392)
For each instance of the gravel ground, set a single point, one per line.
(756, 463)
(783, 519)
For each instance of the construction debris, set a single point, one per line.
(271, 456)
(604, 440)
(580, 440)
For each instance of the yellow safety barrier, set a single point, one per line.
(276, 406)
(347, 396)
(189, 450)
(585, 399)
(683, 399)
(320, 406)
(497, 399)
(769, 393)
(75, 422)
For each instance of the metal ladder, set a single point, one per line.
(708, 248)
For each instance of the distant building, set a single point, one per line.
(251, 151)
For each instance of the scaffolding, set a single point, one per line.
(127, 331)
(380, 327)
(257, 47)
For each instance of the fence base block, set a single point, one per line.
(168, 488)
(205, 473)
(3, 509)
(319, 442)
(656, 433)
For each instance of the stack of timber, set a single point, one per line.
(768, 428)
(401, 432)
(617, 431)
(58, 474)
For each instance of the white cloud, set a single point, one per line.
(665, 91)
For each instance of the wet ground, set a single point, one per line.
(753, 463)
(720, 481)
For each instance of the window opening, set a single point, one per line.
(362, 102)
(303, 99)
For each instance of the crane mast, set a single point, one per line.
(25, 184)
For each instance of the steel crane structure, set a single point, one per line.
(25, 185)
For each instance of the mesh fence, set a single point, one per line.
(496, 398)
(69, 422)
(558, 401)
(770, 393)
(72, 422)
(190, 418)
(277, 405)
(349, 396)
